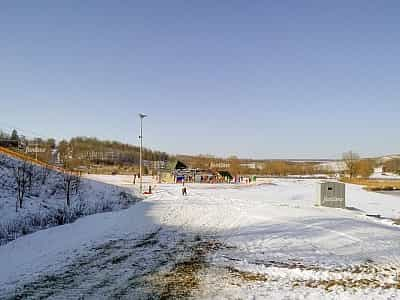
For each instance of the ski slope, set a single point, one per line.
(274, 244)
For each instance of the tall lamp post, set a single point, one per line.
(142, 116)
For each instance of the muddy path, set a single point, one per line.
(161, 265)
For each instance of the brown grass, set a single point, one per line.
(330, 284)
(374, 185)
(246, 276)
(182, 279)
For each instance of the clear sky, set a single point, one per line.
(261, 79)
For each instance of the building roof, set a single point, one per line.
(178, 165)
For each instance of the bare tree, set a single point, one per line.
(22, 178)
(44, 174)
(67, 184)
(350, 159)
(31, 176)
(71, 185)
(77, 183)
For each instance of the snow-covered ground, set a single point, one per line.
(265, 241)
(379, 174)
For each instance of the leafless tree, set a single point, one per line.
(22, 176)
(71, 185)
(67, 184)
(350, 159)
(77, 183)
(31, 176)
(45, 172)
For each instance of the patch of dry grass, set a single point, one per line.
(363, 276)
(182, 279)
(374, 185)
(246, 276)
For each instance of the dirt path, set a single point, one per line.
(161, 265)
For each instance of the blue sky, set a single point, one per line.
(262, 79)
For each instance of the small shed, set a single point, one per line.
(331, 194)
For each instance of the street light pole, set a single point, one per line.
(142, 116)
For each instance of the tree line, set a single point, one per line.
(354, 166)
(83, 151)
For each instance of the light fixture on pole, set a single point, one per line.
(142, 116)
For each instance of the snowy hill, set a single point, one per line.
(44, 194)
(389, 157)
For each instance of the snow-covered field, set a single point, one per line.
(265, 241)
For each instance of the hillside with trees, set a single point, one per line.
(392, 166)
(83, 152)
(86, 151)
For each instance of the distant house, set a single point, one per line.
(260, 165)
(205, 176)
(250, 165)
(219, 165)
(183, 173)
(155, 164)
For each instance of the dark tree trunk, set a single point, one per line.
(68, 193)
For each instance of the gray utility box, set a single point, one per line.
(331, 194)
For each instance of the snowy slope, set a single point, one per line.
(45, 202)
